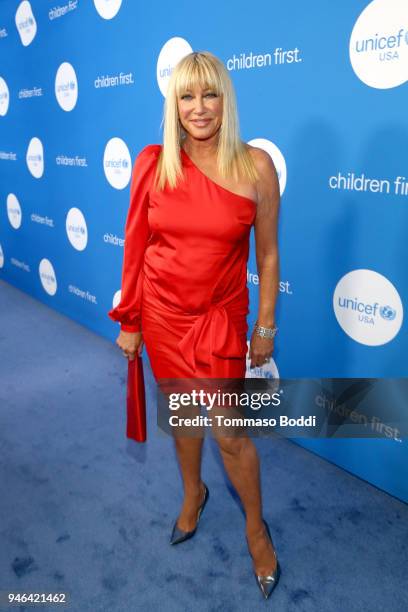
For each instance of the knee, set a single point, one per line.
(232, 447)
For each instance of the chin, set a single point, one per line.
(202, 134)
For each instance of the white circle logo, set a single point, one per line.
(107, 9)
(116, 298)
(13, 211)
(47, 276)
(25, 23)
(379, 44)
(117, 163)
(1, 257)
(368, 307)
(171, 53)
(35, 157)
(4, 97)
(277, 158)
(77, 231)
(66, 86)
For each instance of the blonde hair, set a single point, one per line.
(202, 68)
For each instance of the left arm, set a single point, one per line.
(267, 256)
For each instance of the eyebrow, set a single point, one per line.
(206, 89)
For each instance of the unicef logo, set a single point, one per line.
(388, 313)
(47, 276)
(107, 9)
(171, 53)
(277, 158)
(368, 307)
(379, 44)
(25, 23)
(66, 87)
(14, 211)
(117, 163)
(35, 157)
(4, 97)
(76, 228)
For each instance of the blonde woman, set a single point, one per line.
(184, 295)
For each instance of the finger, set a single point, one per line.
(131, 357)
(259, 363)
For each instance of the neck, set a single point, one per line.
(201, 148)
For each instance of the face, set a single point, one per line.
(200, 112)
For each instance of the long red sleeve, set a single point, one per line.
(127, 312)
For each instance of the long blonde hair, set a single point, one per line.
(203, 69)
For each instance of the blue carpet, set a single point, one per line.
(85, 511)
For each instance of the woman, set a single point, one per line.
(193, 202)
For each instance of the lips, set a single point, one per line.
(201, 122)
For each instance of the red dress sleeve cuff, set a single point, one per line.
(130, 328)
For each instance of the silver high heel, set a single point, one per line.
(178, 535)
(269, 582)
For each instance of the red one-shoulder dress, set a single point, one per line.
(184, 275)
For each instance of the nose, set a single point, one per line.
(199, 105)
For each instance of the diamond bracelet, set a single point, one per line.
(265, 332)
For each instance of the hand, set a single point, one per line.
(260, 349)
(130, 342)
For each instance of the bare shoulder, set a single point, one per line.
(268, 179)
(258, 155)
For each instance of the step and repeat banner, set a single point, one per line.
(320, 86)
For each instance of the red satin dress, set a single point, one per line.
(184, 276)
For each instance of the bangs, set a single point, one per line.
(198, 71)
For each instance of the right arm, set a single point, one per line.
(128, 311)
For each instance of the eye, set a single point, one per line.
(183, 97)
(211, 95)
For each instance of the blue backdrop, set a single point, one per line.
(321, 86)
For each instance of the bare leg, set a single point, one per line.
(241, 463)
(189, 459)
(188, 443)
